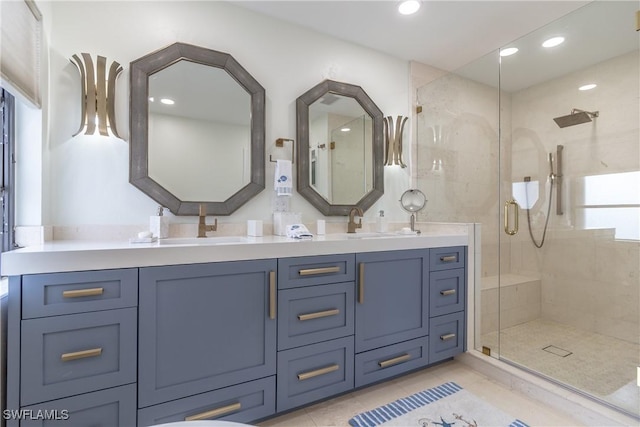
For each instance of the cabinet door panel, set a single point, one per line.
(203, 327)
(392, 297)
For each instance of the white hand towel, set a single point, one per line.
(283, 183)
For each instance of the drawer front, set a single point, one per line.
(315, 270)
(243, 403)
(447, 291)
(105, 408)
(79, 292)
(446, 336)
(385, 362)
(315, 314)
(313, 372)
(67, 355)
(446, 258)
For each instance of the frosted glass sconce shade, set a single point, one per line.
(393, 141)
(98, 94)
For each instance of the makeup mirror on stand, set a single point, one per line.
(413, 201)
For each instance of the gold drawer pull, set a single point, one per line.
(306, 375)
(81, 354)
(449, 258)
(361, 284)
(318, 314)
(215, 412)
(394, 361)
(447, 337)
(83, 293)
(448, 292)
(272, 295)
(323, 270)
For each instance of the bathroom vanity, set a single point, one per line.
(239, 329)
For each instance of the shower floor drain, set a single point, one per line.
(557, 351)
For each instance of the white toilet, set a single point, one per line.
(203, 423)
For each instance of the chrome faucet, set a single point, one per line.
(203, 228)
(351, 225)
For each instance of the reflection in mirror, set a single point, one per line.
(193, 136)
(340, 136)
(197, 130)
(340, 151)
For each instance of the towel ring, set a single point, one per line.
(280, 143)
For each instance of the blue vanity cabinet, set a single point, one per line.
(204, 327)
(448, 289)
(315, 328)
(73, 347)
(392, 313)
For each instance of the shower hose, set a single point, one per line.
(546, 221)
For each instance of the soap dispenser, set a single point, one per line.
(159, 224)
(381, 223)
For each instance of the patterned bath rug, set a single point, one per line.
(447, 405)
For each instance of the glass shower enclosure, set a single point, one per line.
(549, 166)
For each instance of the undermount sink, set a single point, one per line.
(372, 235)
(222, 240)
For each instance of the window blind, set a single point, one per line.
(20, 47)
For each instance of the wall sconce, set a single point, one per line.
(393, 141)
(98, 94)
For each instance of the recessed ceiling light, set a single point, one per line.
(409, 7)
(553, 41)
(588, 87)
(508, 51)
(167, 101)
(345, 129)
(151, 99)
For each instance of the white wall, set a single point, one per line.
(88, 175)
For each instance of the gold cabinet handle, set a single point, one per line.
(83, 293)
(361, 284)
(272, 295)
(323, 270)
(215, 412)
(394, 361)
(449, 258)
(322, 371)
(447, 337)
(448, 292)
(511, 231)
(81, 354)
(318, 315)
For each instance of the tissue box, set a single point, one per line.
(254, 227)
(282, 219)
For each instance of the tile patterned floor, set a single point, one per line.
(597, 364)
(338, 411)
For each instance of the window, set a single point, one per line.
(7, 110)
(610, 201)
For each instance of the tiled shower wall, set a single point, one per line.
(588, 279)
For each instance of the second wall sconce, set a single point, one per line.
(393, 141)
(98, 95)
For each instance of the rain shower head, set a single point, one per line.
(577, 117)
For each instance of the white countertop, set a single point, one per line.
(60, 256)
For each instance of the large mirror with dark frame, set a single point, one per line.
(197, 130)
(340, 148)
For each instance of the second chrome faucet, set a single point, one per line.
(352, 225)
(203, 228)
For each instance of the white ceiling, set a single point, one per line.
(444, 34)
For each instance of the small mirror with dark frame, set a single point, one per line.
(197, 130)
(340, 148)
